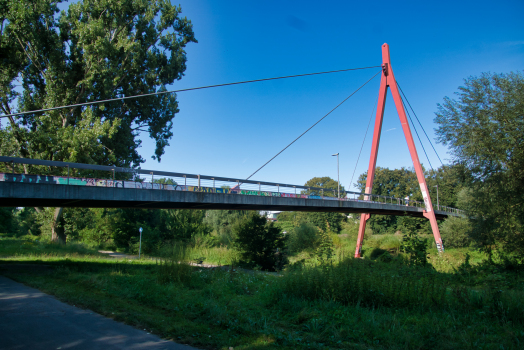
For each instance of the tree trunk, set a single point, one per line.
(57, 228)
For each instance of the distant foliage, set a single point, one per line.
(221, 223)
(304, 237)
(456, 232)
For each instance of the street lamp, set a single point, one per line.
(338, 175)
(438, 206)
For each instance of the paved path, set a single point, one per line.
(30, 319)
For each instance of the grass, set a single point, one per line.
(356, 304)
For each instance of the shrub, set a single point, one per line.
(259, 243)
(326, 249)
(415, 248)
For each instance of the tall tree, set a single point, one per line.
(97, 49)
(329, 185)
(484, 129)
(403, 182)
(323, 220)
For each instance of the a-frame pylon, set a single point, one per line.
(388, 80)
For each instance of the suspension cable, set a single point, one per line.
(416, 132)
(181, 90)
(431, 143)
(311, 127)
(361, 147)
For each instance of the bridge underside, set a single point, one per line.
(46, 195)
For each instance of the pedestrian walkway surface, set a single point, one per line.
(30, 319)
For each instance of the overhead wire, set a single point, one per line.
(409, 104)
(311, 127)
(363, 141)
(181, 90)
(416, 132)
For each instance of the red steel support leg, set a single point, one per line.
(388, 80)
(373, 159)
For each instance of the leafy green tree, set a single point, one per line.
(324, 221)
(329, 185)
(183, 224)
(484, 129)
(165, 181)
(97, 49)
(222, 222)
(260, 243)
(399, 183)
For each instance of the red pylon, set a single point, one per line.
(388, 80)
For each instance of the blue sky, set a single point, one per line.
(232, 131)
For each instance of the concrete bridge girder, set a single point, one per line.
(49, 195)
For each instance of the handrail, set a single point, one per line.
(370, 197)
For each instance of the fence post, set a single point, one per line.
(68, 175)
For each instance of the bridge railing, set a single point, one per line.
(152, 179)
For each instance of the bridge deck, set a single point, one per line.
(50, 195)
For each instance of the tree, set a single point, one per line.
(222, 222)
(403, 182)
(98, 49)
(329, 185)
(484, 129)
(259, 242)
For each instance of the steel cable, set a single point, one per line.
(181, 90)
(420, 123)
(354, 92)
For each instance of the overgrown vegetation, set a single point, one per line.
(349, 303)
(402, 294)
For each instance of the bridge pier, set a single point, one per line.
(388, 80)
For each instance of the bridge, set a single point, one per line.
(185, 191)
(209, 192)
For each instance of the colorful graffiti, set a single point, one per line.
(63, 180)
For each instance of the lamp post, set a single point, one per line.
(338, 175)
(438, 205)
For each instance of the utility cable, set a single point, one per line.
(354, 92)
(361, 147)
(409, 104)
(181, 90)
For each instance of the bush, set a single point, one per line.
(415, 248)
(455, 232)
(304, 237)
(259, 243)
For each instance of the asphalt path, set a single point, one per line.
(30, 319)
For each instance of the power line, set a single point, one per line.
(431, 143)
(354, 92)
(181, 90)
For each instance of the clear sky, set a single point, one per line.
(232, 131)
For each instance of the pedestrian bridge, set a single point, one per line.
(183, 191)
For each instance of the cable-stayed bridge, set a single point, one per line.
(47, 190)
(183, 191)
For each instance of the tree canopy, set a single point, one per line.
(96, 50)
(484, 129)
(329, 185)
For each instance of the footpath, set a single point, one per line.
(30, 319)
